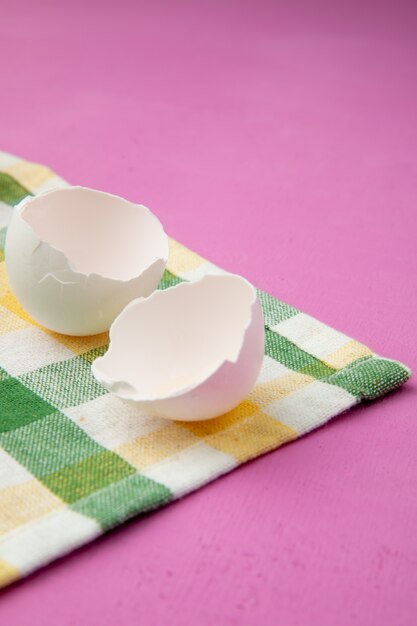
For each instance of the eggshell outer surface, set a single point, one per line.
(76, 257)
(192, 352)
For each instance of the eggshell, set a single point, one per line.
(191, 352)
(75, 257)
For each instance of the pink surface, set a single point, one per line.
(278, 139)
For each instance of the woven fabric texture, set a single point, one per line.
(76, 461)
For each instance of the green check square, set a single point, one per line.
(11, 192)
(64, 384)
(274, 311)
(169, 280)
(47, 446)
(371, 378)
(90, 475)
(122, 500)
(290, 355)
(94, 353)
(19, 406)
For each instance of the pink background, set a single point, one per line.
(278, 139)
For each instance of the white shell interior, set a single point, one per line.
(174, 340)
(98, 233)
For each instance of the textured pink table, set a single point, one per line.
(279, 139)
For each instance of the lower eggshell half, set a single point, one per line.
(221, 391)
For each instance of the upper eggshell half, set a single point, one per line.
(191, 352)
(75, 257)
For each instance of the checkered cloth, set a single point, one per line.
(76, 461)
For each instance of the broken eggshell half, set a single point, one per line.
(191, 352)
(75, 257)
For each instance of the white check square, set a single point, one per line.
(111, 422)
(189, 469)
(29, 349)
